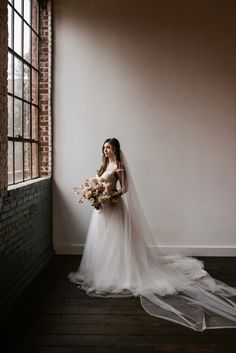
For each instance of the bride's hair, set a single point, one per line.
(105, 160)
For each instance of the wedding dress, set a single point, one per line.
(121, 258)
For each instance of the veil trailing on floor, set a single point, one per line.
(176, 288)
(122, 258)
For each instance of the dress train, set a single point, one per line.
(121, 259)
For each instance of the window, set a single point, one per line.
(23, 108)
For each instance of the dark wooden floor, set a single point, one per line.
(54, 316)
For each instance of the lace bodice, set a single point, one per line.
(109, 176)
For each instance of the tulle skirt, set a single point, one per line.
(105, 267)
(116, 262)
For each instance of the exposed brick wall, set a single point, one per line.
(25, 211)
(3, 94)
(45, 87)
(25, 236)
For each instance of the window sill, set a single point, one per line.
(28, 182)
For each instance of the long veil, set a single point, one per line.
(176, 288)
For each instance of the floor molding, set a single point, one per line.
(77, 249)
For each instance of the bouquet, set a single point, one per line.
(95, 191)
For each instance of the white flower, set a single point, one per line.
(88, 194)
(95, 191)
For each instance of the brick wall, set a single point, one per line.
(25, 210)
(45, 87)
(25, 237)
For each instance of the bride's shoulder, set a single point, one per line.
(120, 165)
(120, 168)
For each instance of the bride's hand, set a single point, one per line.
(114, 197)
(102, 200)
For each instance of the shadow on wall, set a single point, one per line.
(176, 53)
(161, 73)
(71, 218)
(191, 35)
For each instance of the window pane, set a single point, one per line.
(26, 82)
(18, 5)
(26, 53)
(34, 86)
(10, 73)
(34, 160)
(17, 34)
(18, 161)
(26, 120)
(34, 50)
(27, 10)
(23, 99)
(9, 26)
(10, 116)
(23, 156)
(18, 77)
(27, 161)
(10, 162)
(34, 123)
(17, 117)
(35, 15)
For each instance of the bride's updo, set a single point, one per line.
(105, 160)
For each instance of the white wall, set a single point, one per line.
(161, 77)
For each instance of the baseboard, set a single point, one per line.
(65, 249)
(77, 249)
(15, 292)
(200, 250)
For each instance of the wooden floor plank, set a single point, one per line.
(120, 340)
(113, 329)
(160, 348)
(54, 316)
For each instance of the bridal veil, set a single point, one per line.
(176, 288)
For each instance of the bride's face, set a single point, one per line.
(108, 151)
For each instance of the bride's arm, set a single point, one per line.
(121, 173)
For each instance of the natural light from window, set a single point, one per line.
(23, 137)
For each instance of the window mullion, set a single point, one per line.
(38, 152)
(31, 149)
(13, 91)
(23, 19)
(23, 93)
(23, 105)
(21, 58)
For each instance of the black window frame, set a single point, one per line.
(31, 67)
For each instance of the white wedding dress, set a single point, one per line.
(121, 259)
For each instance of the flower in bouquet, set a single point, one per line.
(95, 191)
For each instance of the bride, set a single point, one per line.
(121, 258)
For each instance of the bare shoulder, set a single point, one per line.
(119, 170)
(120, 166)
